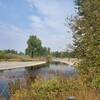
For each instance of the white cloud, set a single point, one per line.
(49, 22)
(12, 37)
(36, 22)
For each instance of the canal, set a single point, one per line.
(47, 71)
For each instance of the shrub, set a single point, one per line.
(55, 89)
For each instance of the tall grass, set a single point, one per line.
(55, 89)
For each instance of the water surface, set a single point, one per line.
(46, 71)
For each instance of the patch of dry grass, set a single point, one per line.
(56, 89)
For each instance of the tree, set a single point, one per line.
(21, 53)
(62, 54)
(34, 46)
(86, 29)
(12, 51)
(87, 32)
(45, 51)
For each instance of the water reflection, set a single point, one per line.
(26, 75)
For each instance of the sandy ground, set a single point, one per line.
(66, 60)
(12, 65)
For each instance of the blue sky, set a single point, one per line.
(45, 18)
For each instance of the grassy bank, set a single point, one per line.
(14, 57)
(55, 89)
(22, 58)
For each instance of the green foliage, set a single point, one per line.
(44, 51)
(13, 55)
(96, 82)
(87, 33)
(21, 53)
(79, 4)
(55, 89)
(35, 47)
(10, 51)
(6, 54)
(86, 28)
(2, 53)
(48, 89)
(63, 54)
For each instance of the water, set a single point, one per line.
(46, 71)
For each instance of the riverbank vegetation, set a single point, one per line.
(58, 88)
(35, 48)
(34, 51)
(12, 55)
(63, 54)
(8, 55)
(86, 29)
(86, 34)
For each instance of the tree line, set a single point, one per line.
(35, 49)
(63, 54)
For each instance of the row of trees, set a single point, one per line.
(63, 54)
(35, 49)
(12, 51)
(9, 53)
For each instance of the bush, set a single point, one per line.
(55, 89)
